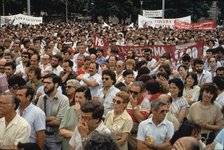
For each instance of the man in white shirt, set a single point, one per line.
(13, 128)
(55, 65)
(90, 122)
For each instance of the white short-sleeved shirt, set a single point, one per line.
(18, 130)
(157, 133)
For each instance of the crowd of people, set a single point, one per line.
(59, 91)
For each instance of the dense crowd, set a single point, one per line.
(61, 91)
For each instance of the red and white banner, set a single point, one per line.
(207, 25)
(194, 49)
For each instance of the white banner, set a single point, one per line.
(152, 13)
(156, 23)
(20, 18)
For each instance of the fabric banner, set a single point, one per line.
(194, 49)
(152, 13)
(20, 18)
(156, 23)
(207, 25)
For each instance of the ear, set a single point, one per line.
(56, 84)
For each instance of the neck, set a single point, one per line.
(205, 103)
(155, 121)
(52, 94)
(118, 113)
(9, 117)
(94, 127)
(71, 97)
(106, 88)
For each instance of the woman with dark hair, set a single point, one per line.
(191, 89)
(179, 104)
(182, 70)
(188, 129)
(71, 116)
(206, 113)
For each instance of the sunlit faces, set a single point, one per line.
(207, 96)
(118, 104)
(129, 78)
(107, 81)
(70, 89)
(199, 68)
(174, 90)
(190, 81)
(92, 69)
(135, 91)
(80, 98)
(6, 105)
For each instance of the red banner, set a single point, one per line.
(194, 49)
(207, 25)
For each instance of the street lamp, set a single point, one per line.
(92, 5)
(28, 7)
(66, 10)
(141, 3)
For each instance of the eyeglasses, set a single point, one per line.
(163, 111)
(133, 92)
(24, 56)
(69, 87)
(119, 66)
(105, 78)
(116, 101)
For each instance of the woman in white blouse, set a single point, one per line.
(191, 89)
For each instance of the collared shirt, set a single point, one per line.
(107, 99)
(93, 89)
(18, 130)
(148, 131)
(119, 125)
(36, 118)
(76, 139)
(220, 99)
(22, 69)
(76, 56)
(56, 70)
(205, 77)
(151, 64)
(177, 105)
(101, 60)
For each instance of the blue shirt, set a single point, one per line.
(36, 118)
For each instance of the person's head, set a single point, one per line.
(159, 110)
(25, 94)
(34, 73)
(92, 114)
(212, 62)
(15, 81)
(120, 66)
(8, 57)
(191, 79)
(104, 66)
(82, 95)
(137, 89)
(51, 83)
(187, 128)
(2, 65)
(176, 87)
(8, 104)
(99, 52)
(93, 68)
(219, 81)
(10, 68)
(25, 57)
(152, 86)
(186, 143)
(112, 60)
(165, 68)
(67, 65)
(208, 93)
(82, 48)
(93, 57)
(147, 53)
(108, 78)
(209, 53)
(121, 101)
(55, 61)
(131, 54)
(128, 76)
(35, 60)
(199, 65)
(80, 60)
(186, 59)
(182, 69)
(220, 71)
(141, 64)
(101, 142)
(130, 64)
(71, 86)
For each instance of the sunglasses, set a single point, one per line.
(69, 87)
(105, 78)
(116, 101)
(163, 111)
(133, 92)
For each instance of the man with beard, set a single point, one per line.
(55, 65)
(54, 104)
(21, 68)
(203, 75)
(151, 62)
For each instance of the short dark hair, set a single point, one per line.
(58, 56)
(209, 87)
(29, 91)
(70, 63)
(153, 86)
(127, 72)
(179, 84)
(139, 84)
(198, 61)
(54, 77)
(36, 70)
(93, 107)
(101, 142)
(86, 92)
(182, 66)
(97, 65)
(186, 57)
(155, 105)
(147, 50)
(111, 74)
(219, 81)
(10, 64)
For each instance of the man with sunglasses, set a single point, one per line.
(156, 131)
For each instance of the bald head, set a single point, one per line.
(2, 65)
(186, 143)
